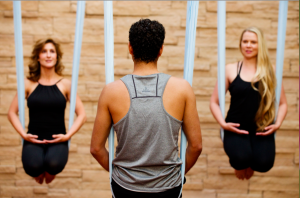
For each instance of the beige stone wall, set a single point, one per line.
(212, 176)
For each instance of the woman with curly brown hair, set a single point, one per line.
(249, 128)
(45, 148)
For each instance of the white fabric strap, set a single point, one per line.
(221, 57)
(189, 56)
(109, 69)
(76, 59)
(282, 19)
(19, 60)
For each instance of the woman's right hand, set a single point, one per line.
(33, 138)
(229, 126)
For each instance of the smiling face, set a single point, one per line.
(249, 45)
(48, 56)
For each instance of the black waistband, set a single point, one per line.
(121, 192)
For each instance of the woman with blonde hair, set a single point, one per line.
(45, 148)
(248, 128)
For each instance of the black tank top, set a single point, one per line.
(244, 102)
(46, 111)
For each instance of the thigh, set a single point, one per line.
(33, 158)
(238, 148)
(56, 157)
(263, 152)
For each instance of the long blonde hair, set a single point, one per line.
(267, 81)
(34, 65)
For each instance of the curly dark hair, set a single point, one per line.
(34, 65)
(146, 38)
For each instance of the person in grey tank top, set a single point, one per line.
(147, 109)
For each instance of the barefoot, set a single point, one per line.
(49, 178)
(40, 179)
(240, 174)
(249, 173)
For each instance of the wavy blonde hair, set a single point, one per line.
(34, 65)
(267, 81)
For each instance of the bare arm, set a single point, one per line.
(14, 118)
(282, 109)
(215, 106)
(101, 130)
(15, 121)
(81, 117)
(191, 128)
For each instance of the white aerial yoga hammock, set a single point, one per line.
(109, 67)
(19, 60)
(191, 24)
(282, 19)
(109, 70)
(76, 59)
(221, 57)
(189, 56)
(20, 66)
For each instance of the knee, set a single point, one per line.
(262, 165)
(240, 162)
(33, 169)
(54, 167)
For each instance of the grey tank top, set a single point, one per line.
(147, 152)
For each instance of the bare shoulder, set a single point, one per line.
(114, 86)
(179, 84)
(175, 81)
(231, 71)
(231, 67)
(66, 83)
(113, 89)
(29, 85)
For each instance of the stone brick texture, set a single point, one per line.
(212, 176)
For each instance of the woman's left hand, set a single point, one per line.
(269, 130)
(58, 138)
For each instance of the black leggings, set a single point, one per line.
(121, 192)
(244, 151)
(40, 158)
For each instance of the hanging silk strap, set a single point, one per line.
(282, 19)
(221, 57)
(76, 58)
(19, 60)
(190, 37)
(109, 69)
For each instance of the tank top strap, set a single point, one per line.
(59, 80)
(145, 86)
(128, 81)
(163, 80)
(239, 68)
